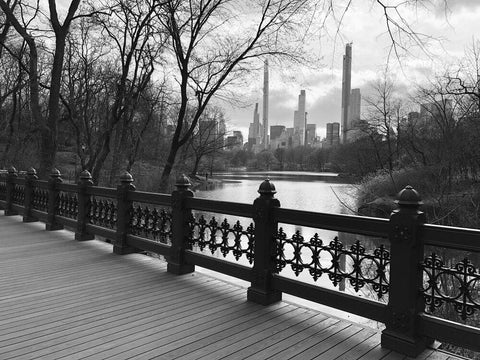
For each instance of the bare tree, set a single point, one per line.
(48, 124)
(215, 42)
(111, 62)
(208, 138)
(383, 115)
(129, 25)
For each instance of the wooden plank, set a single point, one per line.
(361, 348)
(328, 328)
(394, 356)
(328, 343)
(90, 334)
(255, 347)
(93, 310)
(151, 344)
(72, 321)
(90, 297)
(376, 353)
(344, 345)
(293, 343)
(239, 336)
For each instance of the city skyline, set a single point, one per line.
(323, 80)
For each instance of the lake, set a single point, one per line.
(320, 192)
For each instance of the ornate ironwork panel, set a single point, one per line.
(19, 194)
(152, 223)
(457, 286)
(3, 189)
(40, 199)
(67, 205)
(102, 212)
(234, 239)
(355, 264)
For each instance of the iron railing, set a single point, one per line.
(414, 281)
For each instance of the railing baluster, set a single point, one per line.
(405, 304)
(10, 184)
(261, 290)
(29, 188)
(124, 205)
(180, 228)
(84, 182)
(55, 179)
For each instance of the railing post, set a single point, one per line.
(55, 179)
(124, 205)
(406, 246)
(261, 290)
(29, 180)
(180, 228)
(83, 199)
(10, 184)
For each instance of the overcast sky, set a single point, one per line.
(364, 26)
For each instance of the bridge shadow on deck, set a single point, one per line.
(77, 300)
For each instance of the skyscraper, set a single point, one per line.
(265, 105)
(310, 134)
(346, 88)
(333, 134)
(255, 131)
(299, 118)
(354, 110)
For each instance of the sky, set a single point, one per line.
(453, 30)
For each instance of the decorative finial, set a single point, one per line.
(126, 177)
(409, 197)
(183, 182)
(55, 173)
(266, 188)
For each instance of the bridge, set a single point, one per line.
(74, 299)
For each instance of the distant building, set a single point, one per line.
(433, 109)
(276, 131)
(354, 110)
(299, 118)
(290, 133)
(239, 136)
(209, 132)
(333, 134)
(311, 134)
(278, 137)
(255, 132)
(234, 142)
(346, 88)
(265, 105)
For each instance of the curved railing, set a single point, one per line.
(420, 291)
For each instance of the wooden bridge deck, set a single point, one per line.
(62, 299)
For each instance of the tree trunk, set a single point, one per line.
(118, 154)
(196, 165)
(167, 169)
(48, 143)
(10, 130)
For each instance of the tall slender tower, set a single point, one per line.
(346, 88)
(299, 118)
(265, 105)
